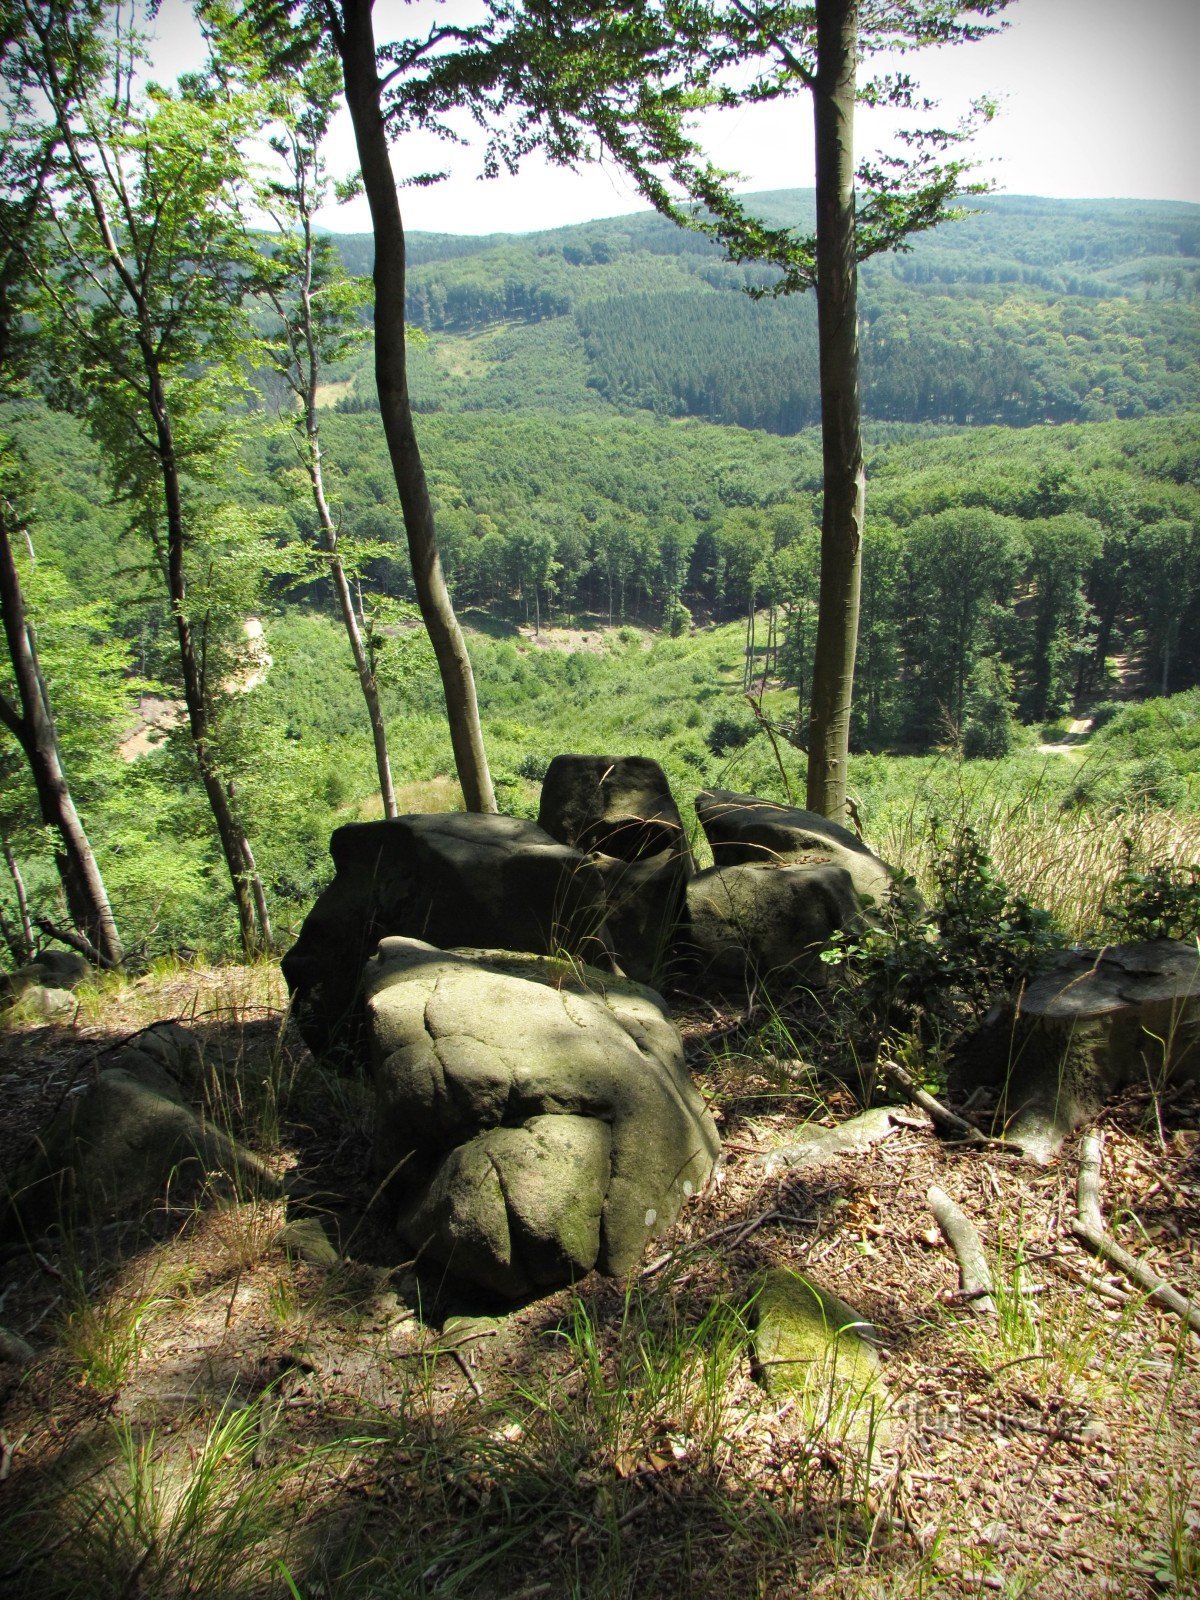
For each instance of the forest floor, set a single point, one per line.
(204, 1415)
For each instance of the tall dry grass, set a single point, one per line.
(1068, 863)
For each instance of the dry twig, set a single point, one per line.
(892, 1072)
(974, 1275)
(1089, 1229)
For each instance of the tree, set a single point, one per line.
(1062, 549)
(988, 721)
(351, 28)
(141, 308)
(317, 310)
(817, 48)
(963, 566)
(31, 723)
(28, 153)
(629, 78)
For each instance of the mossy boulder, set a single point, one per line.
(742, 828)
(753, 921)
(621, 811)
(810, 1343)
(536, 1112)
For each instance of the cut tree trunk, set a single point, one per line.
(841, 437)
(355, 40)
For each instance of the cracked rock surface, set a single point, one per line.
(539, 1109)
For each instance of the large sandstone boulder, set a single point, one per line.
(536, 1113)
(1093, 1022)
(741, 828)
(621, 810)
(456, 878)
(754, 921)
(619, 805)
(119, 1147)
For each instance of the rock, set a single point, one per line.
(54, 971)
(619, 805)
(1090, 1024)
(816, 1145)
(754, 921)
(305, 1239)
(646, 903)
(538, 1113)
(14, 1350)
(454, 879)
(118, 1145)
(742, 828)
(171, 1046)
(811, 1344)
(620, 809)
(64, 969)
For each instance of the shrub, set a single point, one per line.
(1163, 902)
(730, 733)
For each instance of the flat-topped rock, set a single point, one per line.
(537, 1113)
(619, 805)
(743, 829)
(452, 879)
(620, 809)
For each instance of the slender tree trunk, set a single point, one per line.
(22, 947)
(341, 587)
(247, 889)
(841, 437)
(33, 728)
(356, 45)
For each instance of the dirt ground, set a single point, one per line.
(1050, 1450)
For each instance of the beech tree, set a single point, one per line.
(317, 310)
(632, 79)
(818, 49)
(140, 311)
(28, 154)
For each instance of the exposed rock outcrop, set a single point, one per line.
(754, 921)
(537, 1113)
(620, 809)
(454, 879)
(119, 1146)
(742, 828)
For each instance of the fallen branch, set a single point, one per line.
(1089, 1229)
(893, 1073)
(974, 1275)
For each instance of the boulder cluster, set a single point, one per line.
(534, 1116)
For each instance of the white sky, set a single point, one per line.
(1099, 99)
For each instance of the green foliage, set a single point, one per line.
(1160, 902)
(989, 726)
(920, 972)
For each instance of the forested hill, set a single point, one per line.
(1028, 310)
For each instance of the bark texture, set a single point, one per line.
(33, 728)
(355, 40)
(841, 436)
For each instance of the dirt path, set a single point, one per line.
(1076, 737)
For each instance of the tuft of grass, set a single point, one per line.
(102, 1333)
(182, 1522)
